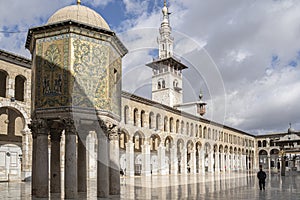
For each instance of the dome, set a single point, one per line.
(79, 13)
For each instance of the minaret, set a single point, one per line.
(165, 41)
(166, 70)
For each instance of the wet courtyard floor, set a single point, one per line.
(223, 186)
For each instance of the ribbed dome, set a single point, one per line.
(79, 13)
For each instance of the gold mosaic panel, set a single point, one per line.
(52, 73)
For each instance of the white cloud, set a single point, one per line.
(97, 3)
(136, 7)
(241, 37)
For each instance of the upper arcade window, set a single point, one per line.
(3, 78)
(19, 87)
(163, 84)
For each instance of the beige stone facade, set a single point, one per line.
(15, 102)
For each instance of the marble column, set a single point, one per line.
(102, 162)
(129, 158)
(114, 163)
(193, 162)
(33, 160)
(202, 161)
(174, 160)
(71, 181)
(161, 156)
(245, 162)
(217, 162)
(26, 171)
(40, 183)
(146, 165)
(269, 163)
(183, 161)
(210, 161)
(55, 181)
(222, 162)
(82, 163)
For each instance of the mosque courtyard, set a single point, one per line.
(209, 186)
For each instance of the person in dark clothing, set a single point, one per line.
(261, 175)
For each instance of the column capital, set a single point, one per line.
(113, 135)
(38, 127)
(69, 126)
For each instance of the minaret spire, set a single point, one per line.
(165, 40)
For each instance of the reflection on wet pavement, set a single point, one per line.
(209, 186)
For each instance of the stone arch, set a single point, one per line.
(126, 114)
(159, 85)
(259, 144)
(175, 83)
(3, 83)
(221, 149)
(12, 122)
(155, 141)
(165, 124)
(204, 132)
(163, 84)
(200, 131)
(158, 122)
(182, 127)
(264, 143)
(274, 159)
(187, 128)
(168, 143)
(135, 116)
(138, 140)
(263, 158)
(20, 82)
(190, 145)
(151, 120)
(171, 125)
(192, 130)
(143, 118)
(177, 126)
(123, 138)
(196, 131)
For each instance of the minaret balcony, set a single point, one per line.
(177, 89)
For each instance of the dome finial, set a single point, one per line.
(165, 2)
(78, 2)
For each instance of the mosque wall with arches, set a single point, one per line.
(270, 153)
(191, 138)
(15, 103)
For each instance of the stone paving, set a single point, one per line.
(210, 186)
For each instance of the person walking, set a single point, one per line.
(261, 175)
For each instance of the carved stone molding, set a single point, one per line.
(69, 126)
(38, 127)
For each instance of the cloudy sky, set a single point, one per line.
(243, 54)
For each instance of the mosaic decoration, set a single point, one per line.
(90, 74)
(51, 73)
(88, 77)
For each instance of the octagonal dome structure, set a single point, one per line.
(80, 14)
